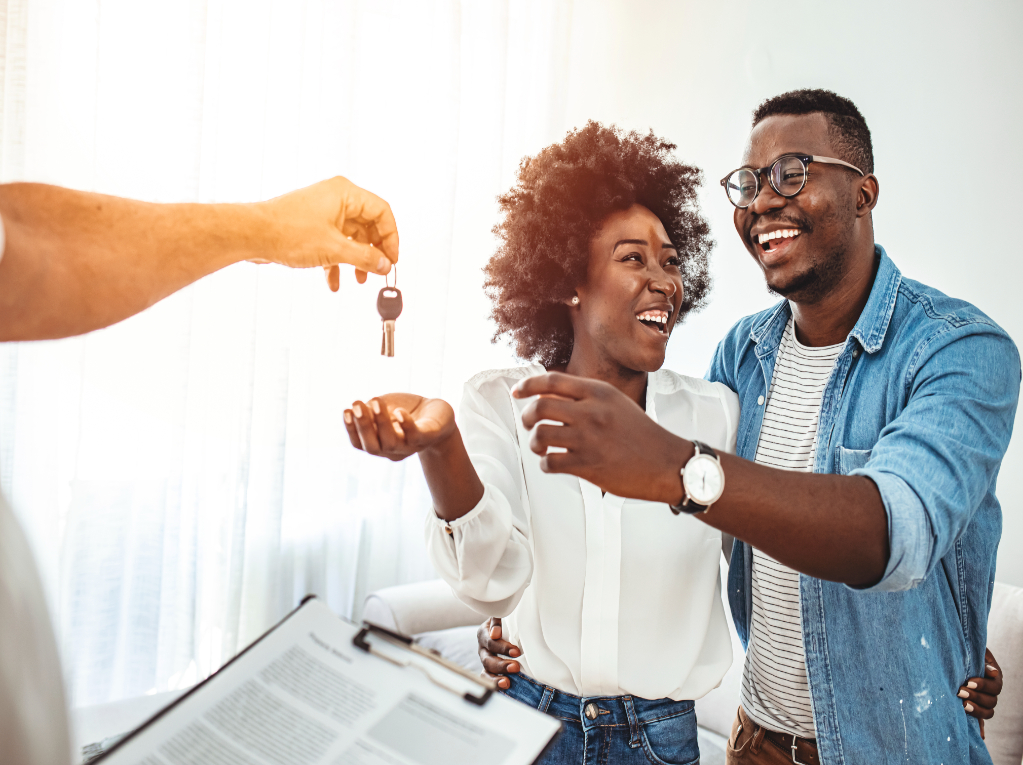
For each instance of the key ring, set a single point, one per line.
(395, 271)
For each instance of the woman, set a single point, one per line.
(615, 603)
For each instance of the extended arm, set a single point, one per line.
(397, 425)
(887, 523)
(478, 534)
(611, 442)
(76, 261)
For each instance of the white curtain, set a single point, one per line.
(185, 476)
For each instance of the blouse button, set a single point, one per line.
(760, 400)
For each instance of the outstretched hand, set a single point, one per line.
(396, 425)
(492, 648)
(332, 222)
(609, 440)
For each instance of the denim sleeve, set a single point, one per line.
(723, 364)
(934, 463)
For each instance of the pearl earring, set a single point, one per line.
(575, 300)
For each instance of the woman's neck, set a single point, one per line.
(628, 381)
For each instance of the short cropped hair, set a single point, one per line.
(556, 207)
(846, 125)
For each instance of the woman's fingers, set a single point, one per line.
(495, 665)
(353, 433)
(978, 699)
(366, 428)
(391, 440)
(502, 681)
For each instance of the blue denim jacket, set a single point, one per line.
(921, 400)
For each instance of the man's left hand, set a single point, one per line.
(610, 440)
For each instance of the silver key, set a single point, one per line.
(389, 305)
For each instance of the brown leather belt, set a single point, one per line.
(803, 750)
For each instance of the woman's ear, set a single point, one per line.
(572, 301)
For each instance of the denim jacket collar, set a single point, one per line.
(870, 328)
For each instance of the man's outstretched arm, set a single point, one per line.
(886, 524)
(76, 261)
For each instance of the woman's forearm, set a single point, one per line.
(453, 481)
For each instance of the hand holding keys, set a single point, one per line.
(389, 305)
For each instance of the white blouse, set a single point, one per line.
(604, 595)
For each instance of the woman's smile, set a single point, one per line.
(632, 295)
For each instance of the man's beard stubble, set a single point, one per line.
(825, 271)
(814, 283)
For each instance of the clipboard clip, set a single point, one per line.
(406, 643)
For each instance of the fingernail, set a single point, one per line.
(383, 264)
(358, 410)
(348, 417)
(969, 707)
(964, 694)
(399, 416)
(514, 652)
(375, 406)
(513, 666)
(971, 684)
(495, 633)
(992, 668)
(504, 683)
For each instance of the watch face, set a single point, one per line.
(704, 479)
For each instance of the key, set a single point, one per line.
(389, 306)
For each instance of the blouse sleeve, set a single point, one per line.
(485, 555)
(730, 404)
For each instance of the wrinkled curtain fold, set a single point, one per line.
(185, 476)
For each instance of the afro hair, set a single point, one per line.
(561, 197)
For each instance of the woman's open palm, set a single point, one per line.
(396, 425)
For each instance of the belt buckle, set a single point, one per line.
(795, 738)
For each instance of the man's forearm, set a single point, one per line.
(76, 261)
(828, 526)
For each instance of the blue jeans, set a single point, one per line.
(626, 729)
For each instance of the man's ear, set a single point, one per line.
(866, 197)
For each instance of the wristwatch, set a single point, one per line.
(703, 481)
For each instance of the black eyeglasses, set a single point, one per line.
(787, 176)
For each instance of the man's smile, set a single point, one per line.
(772, 242)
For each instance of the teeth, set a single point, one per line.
(784, 233)
(660, 317)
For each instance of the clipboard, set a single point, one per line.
(370, 631)
(318, 690)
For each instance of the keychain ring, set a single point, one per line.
(395, 271)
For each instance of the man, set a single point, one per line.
(875, 415)
(74, 262)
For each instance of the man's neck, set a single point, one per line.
(830, 319)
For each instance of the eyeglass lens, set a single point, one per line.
(788, 175)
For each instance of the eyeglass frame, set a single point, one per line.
(805, 159)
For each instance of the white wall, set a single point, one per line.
(942, 91)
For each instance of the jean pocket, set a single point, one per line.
(672, 740)
(848, 460)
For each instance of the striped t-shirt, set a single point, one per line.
(775, 693)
